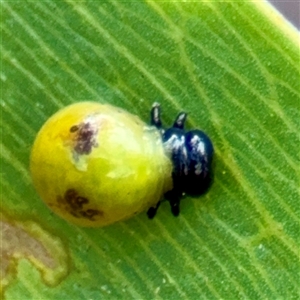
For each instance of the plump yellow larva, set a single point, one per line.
(96, 164)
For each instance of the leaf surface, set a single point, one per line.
(234, 67)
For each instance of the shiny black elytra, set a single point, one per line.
(191, 154)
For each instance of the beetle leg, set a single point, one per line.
(174, 198)
(152, 210)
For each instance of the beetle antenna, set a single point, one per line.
(179, 121)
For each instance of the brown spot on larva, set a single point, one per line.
(73, 203)
(84, 137)
(74, 128)
(91, 213)
(74, 214)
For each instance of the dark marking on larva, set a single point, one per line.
(74, 128)
(90, 213)
(85, 137)
(73, 203)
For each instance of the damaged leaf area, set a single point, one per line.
(27, 240)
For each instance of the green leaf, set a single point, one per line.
(234, 67)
